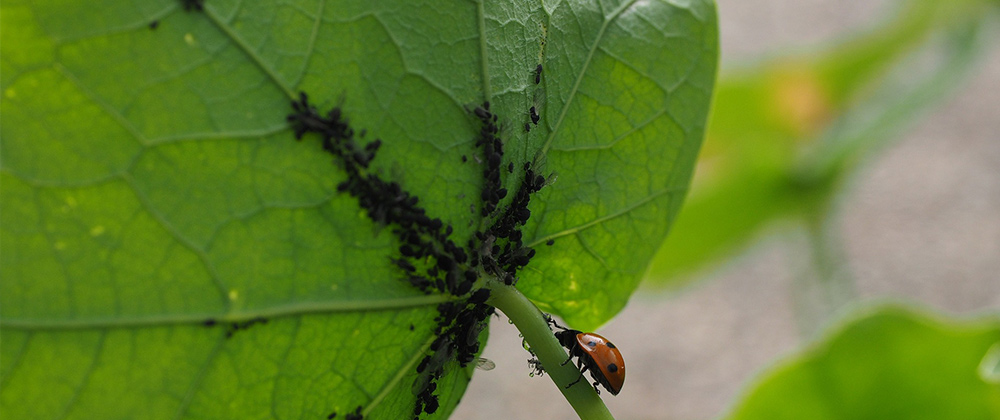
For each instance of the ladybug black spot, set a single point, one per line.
(591, 344)
(612, 368)
(611, 345)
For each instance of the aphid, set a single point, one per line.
(538, 74)
(154, 24)
(536, 367)
(527, 127)
(550, 242)
(510, 167)
(331, 416)
(596, 354)
(534, 115)
(485, 364)
(403, 264)
(483, 114)
(356, 415)
(193, 4)
(464, 159)
(208, 322)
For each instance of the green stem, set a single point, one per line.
(536, 332)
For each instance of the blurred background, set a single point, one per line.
(853, 157)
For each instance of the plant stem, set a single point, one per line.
(528, 319)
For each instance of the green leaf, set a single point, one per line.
(154, 199)
(891, 363)
(786, 131)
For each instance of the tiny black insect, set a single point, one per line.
(193, 4)
(154, 24)
(550, 242)
(356, 415)
(538, 74)
(331, 416)
(209, 322)
(464, 159)
(527, 127)
(510, 167)
(534, 115)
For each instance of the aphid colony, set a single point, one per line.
(500, 259)
(429, 259)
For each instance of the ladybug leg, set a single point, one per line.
(576, 381)
(598, 391)
(583, 368)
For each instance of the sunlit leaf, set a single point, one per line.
(169, 251)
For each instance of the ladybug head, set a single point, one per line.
(567, 338)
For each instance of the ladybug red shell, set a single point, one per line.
(597, 354)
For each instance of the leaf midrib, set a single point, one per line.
(287, 310)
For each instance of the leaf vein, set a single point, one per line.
(579, 79)
(626, 210)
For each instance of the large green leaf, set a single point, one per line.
(151, 183)
(892, 363)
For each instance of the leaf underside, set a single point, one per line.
(151, 183)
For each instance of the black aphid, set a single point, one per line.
(154, 24)
(534, 115)
(193, 4)
(356, 415)
(538, 74)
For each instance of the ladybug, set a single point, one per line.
(596, 354)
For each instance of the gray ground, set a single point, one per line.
(921, 222)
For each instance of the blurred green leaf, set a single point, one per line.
(151, 184)
(784, 133)
(891, 363)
